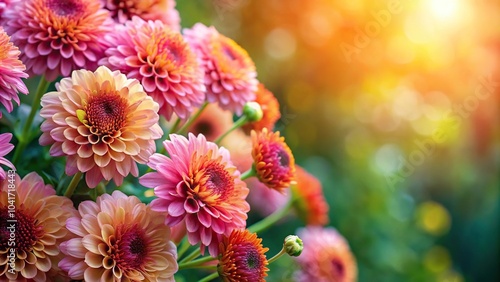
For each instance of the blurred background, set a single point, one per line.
(394, 106)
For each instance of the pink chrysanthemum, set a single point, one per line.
(326, 256)
(273, 160)
(11, 72)
(164, 63)
(56, 36)
(5, 148)
(103, 122)
(230, 74)
(242, 258)
(3, 6)
(39, 229)
(200, 184)
(118, 238)
(163, 10)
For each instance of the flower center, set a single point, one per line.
(219, 181)
(283, 157)
(25, 232)
(131, 248)
(253, 259)
(66, 7)
(338, 267)
(106, 113)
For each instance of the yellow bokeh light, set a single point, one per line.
(433, 218)
(443, 9)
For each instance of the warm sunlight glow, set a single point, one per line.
(443, 9)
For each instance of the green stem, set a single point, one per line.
(241, 121)
(278, 255)
(183, 247)
(72, 185)
(210, 277)
(24, 139)
(175, 126)
(196, 263)
(192, 119)
(249, 173)
(191, 256)
(273, 218)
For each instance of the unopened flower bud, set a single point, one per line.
(253, 111)
(293, 245)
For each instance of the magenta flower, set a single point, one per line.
(200, 184)
(57, 37)
(5, 148)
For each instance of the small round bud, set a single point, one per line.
(253, 111)
(293, 245)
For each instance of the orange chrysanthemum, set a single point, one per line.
(311, 204)
(39, 227)
(270, 110)
(104, 122)
(326, 256)
(273, 160)
(118, 238)
(242, 258)
(163, 10)
(57, 37)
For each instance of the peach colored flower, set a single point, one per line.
(311, 205)
(212, 123)
(230, 74)
(242, 258)
(11, 72)
(163, 10)
(164, 63)
(118, 238)
(103, 122)
(57, 37)
(273, 160)
(200, 184)
(5, 148)
(270, 110)
(326, 256)
(39, 227)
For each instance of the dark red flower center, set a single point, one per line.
(130, 248)
(24, 231)
(283, 157)
(338, 267)
(66, 7)
(219, 182)
(106, 113)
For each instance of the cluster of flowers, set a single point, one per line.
(126, 69)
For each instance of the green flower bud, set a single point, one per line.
(293, 245)
(253, 111)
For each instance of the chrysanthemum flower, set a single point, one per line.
(200, 184)
(5, 148)
(103, 122)
(326, 256)
(311, 205)
(230, 74)
(163, 10)
(270, 109)
(57, 37)
(273, 159)
(39, 228)
(3, 6)
(164, 63)
(242, 258)
(212, 123)
(118, 238)
(11, 72)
